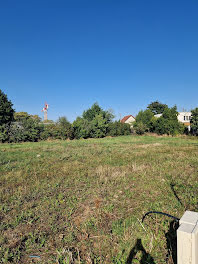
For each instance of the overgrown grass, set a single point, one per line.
(82, 201)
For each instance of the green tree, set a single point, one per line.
(140, 128)
(99, 126)
(96, 110)
(82, 128)
(194, 122)
(65, 128)
(20, 116)
(6, 109)
(146, 118)
(157, 107)
(168, 123)
(93, 123)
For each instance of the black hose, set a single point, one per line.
(155, 212)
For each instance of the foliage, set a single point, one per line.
(32, 129)
(140, 128)
(17, 133)
(96, 110)
(145, 117)
(26, 129)
(144, 121)
(118, 129)
(194, 122)
(62, 129)
(82, 128)
(168, 123)
(6, 110)
(93, 123)
(65, 128)
(4, 129)
(19, 116)
(157, 107)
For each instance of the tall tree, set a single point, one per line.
(96, 110)
(157, 107)
(6, 110)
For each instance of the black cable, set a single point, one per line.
(155, 212)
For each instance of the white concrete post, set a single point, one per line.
(187, 239)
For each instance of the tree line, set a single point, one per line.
(94, 123)
(21, 126)
(166, 122)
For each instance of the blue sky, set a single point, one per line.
(121, 54)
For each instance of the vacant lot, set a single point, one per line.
(82, 201)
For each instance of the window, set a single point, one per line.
(184, 118)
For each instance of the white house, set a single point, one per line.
(183, 117)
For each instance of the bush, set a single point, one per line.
(4, 133)
(118, 129)
(16, 133)
(140, 128)
(145, 118)
(32, 129)
(21, 131)
(82, 128)
(93, 123)
(168, 123)
(62, 129)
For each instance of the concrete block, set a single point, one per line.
(187, 239)
(189, 218)
(195, 245)
(184, 244)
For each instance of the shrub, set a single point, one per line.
(118, 129)
(168, 123)
(82, 128)
(140, 128)
(64, 128)
(93, 123)
(145, 118)
(4, 133)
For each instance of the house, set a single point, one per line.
(128, 119)
(183, 117)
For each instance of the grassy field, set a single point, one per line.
(82, 201)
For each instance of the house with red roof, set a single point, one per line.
(129, 119)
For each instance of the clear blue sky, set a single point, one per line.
(121, 54)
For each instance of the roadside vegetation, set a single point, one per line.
(82, 201)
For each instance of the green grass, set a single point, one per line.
(82, 201)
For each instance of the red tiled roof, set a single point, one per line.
(124, 119)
